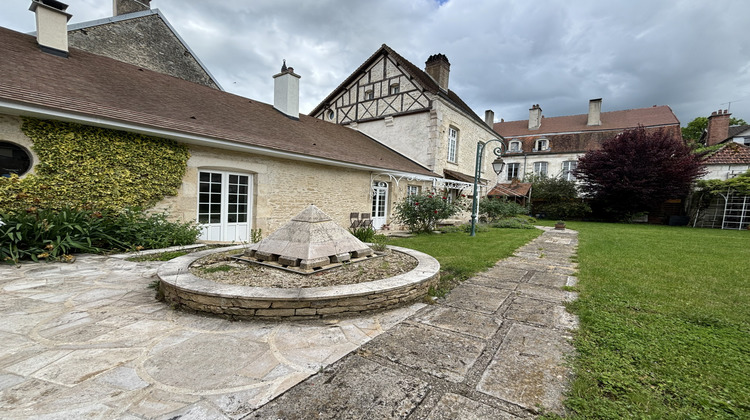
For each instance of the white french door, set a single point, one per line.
(379, 204)
(224, 206)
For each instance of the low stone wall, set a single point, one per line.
(183, 289)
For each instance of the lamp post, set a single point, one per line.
(497, 166)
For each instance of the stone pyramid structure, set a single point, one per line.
(311, 240)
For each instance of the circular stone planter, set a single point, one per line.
(182, 288)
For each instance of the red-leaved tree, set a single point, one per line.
(638, 170)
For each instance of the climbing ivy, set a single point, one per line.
(89, 167)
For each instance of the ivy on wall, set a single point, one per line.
(89, 167)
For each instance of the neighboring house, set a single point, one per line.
(274, 160)
(730, 210)
(414, 112)
(551, 146)
(142, 37)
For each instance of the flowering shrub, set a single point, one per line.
(422, 211)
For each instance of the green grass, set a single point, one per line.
(665, 323)
(461, 255)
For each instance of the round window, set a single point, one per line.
(331, 114)
(13, 159)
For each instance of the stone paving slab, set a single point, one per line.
(87, 340)
(493, 349)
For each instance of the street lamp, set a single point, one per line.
(497, 166)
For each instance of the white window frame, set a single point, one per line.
(538, 145)
(567, 169)
(541, 168)
(513, 174)
(452, 144)
(515, 146)
(413, 190)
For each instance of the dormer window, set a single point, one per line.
(394, 89)
(369, 95)
(515, 146)
(541, 145)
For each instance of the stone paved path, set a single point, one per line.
(87, 340)
(493, 349)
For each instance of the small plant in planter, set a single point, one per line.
(560, 225)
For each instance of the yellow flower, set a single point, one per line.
(49, 246)
(43, 255)
(138, 248)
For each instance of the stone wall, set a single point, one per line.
(281, 188)
(146, 42)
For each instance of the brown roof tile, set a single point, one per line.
(98, 87)
(656, 116)
(730, 154)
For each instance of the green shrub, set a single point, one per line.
(491, 209)
(557, 198)
(364, 234)
(422, 211)
(55, 235)
(521, 222)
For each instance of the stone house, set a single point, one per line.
(251, 166)
(414, 112)
(551, 146)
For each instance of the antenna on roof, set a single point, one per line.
(283, 67)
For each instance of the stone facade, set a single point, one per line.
(143, 39)
(391, 100)
(281, 188)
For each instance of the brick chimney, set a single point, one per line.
(718, 127)
(535, 117)
(595, 112)
(51, 26)
(489, 117)
(286, 92)
(122, 7)
(439, 68)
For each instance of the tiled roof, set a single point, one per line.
(424, 79)
(511, 190)
(655, 116)
(100, 88)
(730, 154)
(736, 130)
(574, 142)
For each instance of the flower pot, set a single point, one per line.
(559, 226)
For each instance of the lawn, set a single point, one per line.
(665, 323)
(461, 255)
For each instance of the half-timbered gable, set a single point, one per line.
(412, 111)
(382, 89)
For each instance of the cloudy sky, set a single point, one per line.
(505, 54)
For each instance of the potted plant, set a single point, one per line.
(560, 225)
